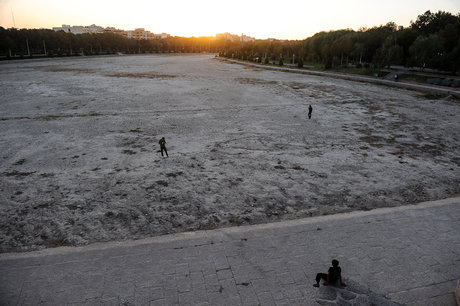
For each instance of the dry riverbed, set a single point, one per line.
(80, 161)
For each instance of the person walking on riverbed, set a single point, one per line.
(310, 110)
(162, 143)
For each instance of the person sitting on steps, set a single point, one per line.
(333, 275)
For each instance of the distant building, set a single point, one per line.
(65, 28)
(245, 38)
(139, 33)
(79, 29)
(228, 36)
(233, 37)
(94, 29)
(113, 30)
(162, 35)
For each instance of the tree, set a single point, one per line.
(428, 50)
(429, 23)
(300, 62)
(389, 53)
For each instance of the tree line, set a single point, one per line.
(432, 41)
(43, 42)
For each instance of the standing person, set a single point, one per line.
(310, 110)
(333, 275)
(162, 143)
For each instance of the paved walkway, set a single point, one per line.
(410, 255)
(427, 88)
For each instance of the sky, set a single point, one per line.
(294, 19)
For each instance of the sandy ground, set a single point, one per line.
(80, 161)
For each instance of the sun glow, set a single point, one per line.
(295, 19)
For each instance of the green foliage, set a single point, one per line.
(433, 39)
(389, 53)
(300, 63)
(61, 43)
(427, 50)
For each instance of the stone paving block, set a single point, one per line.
(155, 280)
(197, 266)
(261, 285)
(224, 274)
(167, 267)
(156, 293)
(247, 271)
(114, 273)
(204, 251)
(186, 298)
(11, 299)
(199, 296)
(446, 299)
(215, 298)
(210, 269)
(142, 295)
(301, 301)
(277, 294)
(19, 264)
(291, 292)
(184, 284)
(299, 276)
(197, 278)
(220, 261)
(276, 265)
(212, 283)
(126, 300)
(171, 297)
(266, 298)
(86, 302)
(71, 293)
(169, 282)
(126, 289)
(161, 302)
(235, 261)
(25, 299)
(309, 292)
(285, 278)
(110, 301)
(422, 293)
(242, 280)
(182, 269)
(95, 281)
(203, 304)
(12, 287)
(228, 287)
(247, 294)
(199, 286)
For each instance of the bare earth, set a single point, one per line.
(80, 161)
